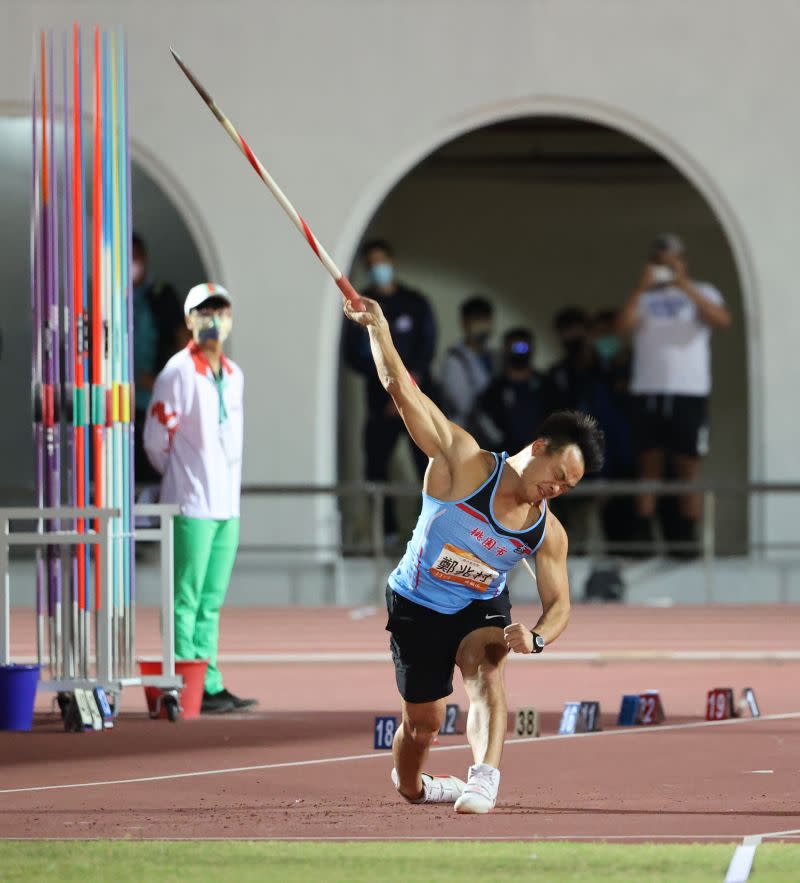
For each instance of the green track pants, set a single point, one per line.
(204, 554)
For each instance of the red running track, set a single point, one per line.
(685, 780)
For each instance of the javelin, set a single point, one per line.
(338, 276)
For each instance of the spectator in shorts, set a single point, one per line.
(467, 367)
(670, 316)
(413, 330)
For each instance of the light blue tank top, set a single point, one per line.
(459, 553)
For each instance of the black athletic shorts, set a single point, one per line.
(677, 424)
(424, 642)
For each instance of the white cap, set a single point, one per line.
(203, 292)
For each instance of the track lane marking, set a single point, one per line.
(742, 861)
(554, 657)
(639, 731)
(599, 838)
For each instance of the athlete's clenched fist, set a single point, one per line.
(519, 638)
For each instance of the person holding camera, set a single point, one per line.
(670, 317)
(512, 407)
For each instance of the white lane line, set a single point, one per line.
(742, 860)
(638, 731)
(793, 832)
(555, 656)
(598, 838)
(761, 772)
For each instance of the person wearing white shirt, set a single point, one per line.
(670, 317)
(467, 367)
(193, 436)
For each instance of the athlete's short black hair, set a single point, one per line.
(575, 428)
(375, 245)
(477, 307)
(138, 244)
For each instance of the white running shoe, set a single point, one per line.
(480, 794)
(436, 789)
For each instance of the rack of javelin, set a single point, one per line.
(71, 663)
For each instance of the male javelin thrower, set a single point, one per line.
(448, 603)
(482, 513)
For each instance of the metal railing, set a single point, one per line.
(69, 630)
(704, 547)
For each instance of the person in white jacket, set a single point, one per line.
(193, 437)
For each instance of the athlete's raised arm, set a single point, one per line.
(430, 430)
(552, 582)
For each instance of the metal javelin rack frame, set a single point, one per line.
(105, 674)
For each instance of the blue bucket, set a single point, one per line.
(17, 696)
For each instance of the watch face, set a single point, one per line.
(538, 640)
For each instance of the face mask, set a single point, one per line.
(381, 274)
(607, 346)
(216, 326)
(518, 361)
(480, 337)
(137, 272)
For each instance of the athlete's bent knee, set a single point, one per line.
(421, 729)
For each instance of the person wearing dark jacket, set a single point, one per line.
(413, 330)
(159, 331)
(577, 381)
(511, 409)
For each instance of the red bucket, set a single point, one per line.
(193, 672)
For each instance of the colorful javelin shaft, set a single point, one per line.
(98, 395)
(68, 389)
(339, 278)
(36, 350)
(80, 346)
(51, 360)
(125, 346)
(116, 350)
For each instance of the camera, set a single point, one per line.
(661, 275)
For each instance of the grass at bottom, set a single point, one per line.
(385, 861)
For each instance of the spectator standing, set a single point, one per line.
(193, 436)
(573, 378)
(467, 367)
(413, 330)
(618, 513)
(159, 331)
(613, 351)
(512, 408)
(579, 381)
(670, 316)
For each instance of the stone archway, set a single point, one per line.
(377, 191)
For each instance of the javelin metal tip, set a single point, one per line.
(193, 80)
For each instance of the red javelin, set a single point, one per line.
(339, 278)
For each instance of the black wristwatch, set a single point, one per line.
(538, 642)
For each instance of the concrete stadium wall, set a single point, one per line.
(341, 99)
